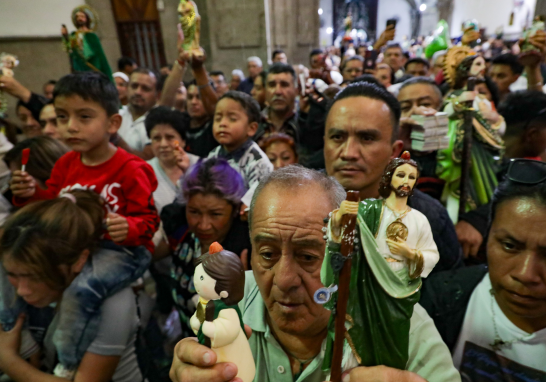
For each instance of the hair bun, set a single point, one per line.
(215, 248)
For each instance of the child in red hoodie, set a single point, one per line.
(87, 107)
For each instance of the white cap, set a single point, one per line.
(121, 75)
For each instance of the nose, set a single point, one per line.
(528, 269)
(23, 288)
(204, 223)
(277, 163)
(49, 129)
(286, 275)
(350, 150)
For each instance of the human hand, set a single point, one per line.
(11, 342)
(401, 249)
(182, 158)
(408, 123)
(22, 185)
(387, 35)
(380, 374)
(198, 59)
(117, 226)
(469, 237)
(467, 96)
(193, 362)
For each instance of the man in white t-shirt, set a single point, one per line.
(143, 94)
(494, 320)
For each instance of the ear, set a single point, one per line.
(115, 123)
(224, 294)
(397, 147)
(78, 265)
(253, 128)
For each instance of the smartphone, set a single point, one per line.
(391, 22)
(370, 60)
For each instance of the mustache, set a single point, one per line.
(275, 98)
(342, 165)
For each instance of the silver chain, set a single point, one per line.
(499, 343)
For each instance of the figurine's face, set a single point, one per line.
(81, 19)
(9, 62)
(404, 179)
(185, 8)
(478, 67)
(204, 284)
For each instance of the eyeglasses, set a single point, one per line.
(526, 171)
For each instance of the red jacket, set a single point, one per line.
(125, 181)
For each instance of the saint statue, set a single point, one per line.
(7, 63)
(488, 126)
(190, 25)
(394, 248)
(530, 54)
(83, 45)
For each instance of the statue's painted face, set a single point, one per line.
(478, 67)
(403, 179)
(81, 19)
(185, 8)
(204, 284)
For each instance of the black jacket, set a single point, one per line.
(445, 297)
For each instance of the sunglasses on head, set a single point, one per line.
(526, 171)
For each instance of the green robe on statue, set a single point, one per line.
(88, 56)
(219, 305)
(381, 300)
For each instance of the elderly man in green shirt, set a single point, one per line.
(288, 328)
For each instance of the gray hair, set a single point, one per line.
(293, 176)
(257, 60)
(239, 73)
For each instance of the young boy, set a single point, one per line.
(87, 107)
(235, 122)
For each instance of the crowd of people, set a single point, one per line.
(128, 182)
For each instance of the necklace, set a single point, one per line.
(302, 363)
(499, 343)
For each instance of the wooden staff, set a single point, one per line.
(347, 241)
(467, 147)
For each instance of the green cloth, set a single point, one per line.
(90, 57)
(428, 355)
(381, 300)
(483, 166)
(219, 305)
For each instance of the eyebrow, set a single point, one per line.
(417, 99)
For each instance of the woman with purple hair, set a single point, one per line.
(205, 212)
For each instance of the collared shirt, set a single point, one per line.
(250, 161)
(428, 355)
(266, 127)
(133, 132)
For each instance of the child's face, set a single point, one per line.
(84, 124)
(231, 128)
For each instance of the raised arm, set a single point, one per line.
(208, 95)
